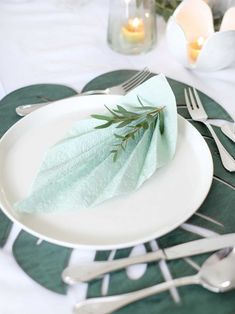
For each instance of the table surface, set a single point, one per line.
(59, 41)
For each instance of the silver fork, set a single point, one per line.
(198, 113)
(120, 89)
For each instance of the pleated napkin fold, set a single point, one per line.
(79, 172)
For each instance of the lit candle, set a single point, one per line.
(133, 31)
(195, 47)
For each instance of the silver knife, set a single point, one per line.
(88, 271)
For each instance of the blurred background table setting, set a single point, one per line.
(166, 72)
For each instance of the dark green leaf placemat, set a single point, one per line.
(29, 95)
(5, 228)
(44, 262)
(220, 204)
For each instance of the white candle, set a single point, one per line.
(133, 31)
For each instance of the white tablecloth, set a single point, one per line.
(59, 41)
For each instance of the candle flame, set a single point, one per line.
(195, 47)
(136, 22)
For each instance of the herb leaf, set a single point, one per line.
(101, 117)
(137, 121)
(105, 125)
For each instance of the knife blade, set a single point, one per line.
(88, 271)
(200, 246)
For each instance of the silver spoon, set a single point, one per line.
(217, 274)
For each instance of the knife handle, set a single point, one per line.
(88, 271)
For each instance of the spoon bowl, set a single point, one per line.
(217, 273)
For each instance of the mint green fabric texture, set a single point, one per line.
(79, 171)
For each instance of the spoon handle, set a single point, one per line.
(105, 305)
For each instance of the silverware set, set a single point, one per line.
(217, 273)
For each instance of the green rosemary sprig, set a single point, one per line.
(166, 8)
(137, 121)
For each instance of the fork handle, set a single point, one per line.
(24, 110)
(106, 305)
(227, 160)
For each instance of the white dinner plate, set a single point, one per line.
(164, 201)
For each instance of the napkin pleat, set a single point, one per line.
(79, 172)
(125, 179)
(78, 146)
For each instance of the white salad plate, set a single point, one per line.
(163, 202)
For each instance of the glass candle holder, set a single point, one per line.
(132, 26)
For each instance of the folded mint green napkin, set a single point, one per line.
(79, 172)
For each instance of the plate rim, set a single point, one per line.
(102, 247)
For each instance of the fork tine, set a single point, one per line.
(198, 100)
(134, 76)
(137, 81)
(198, 114)
(188, 104)
(192, 100)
